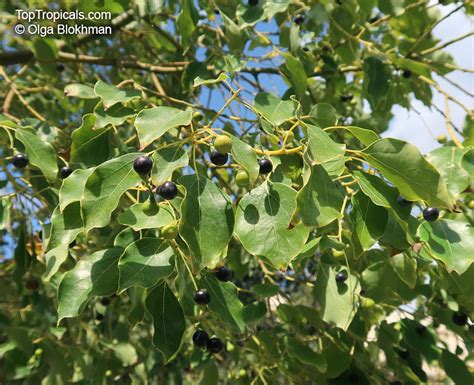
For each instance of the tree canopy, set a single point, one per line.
(203, 192)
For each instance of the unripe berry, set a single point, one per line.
(169, 231)
(223, 144)
(242, 179)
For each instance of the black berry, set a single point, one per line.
(219, 159)
(200, 338)
(223, 274)
(142, 165)
(420, 330)
(404, 354)
(20, 161)
(431, 214)
(346, 98)
(363, 290)
(168, 190)
(253, 3)
(460, 318)
(65, 172)
(403, 202)
(60, 67)
(99, 317)
(202, 297)
(32, 284)
(341, 277)
(266, 166)
(299, 19)
(105, 301)
(406, 74)
(215, 345)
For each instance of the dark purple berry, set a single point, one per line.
(460, 318)
(32, 284)
(142, 165)
(60, 67)
(105, 301)
(215, 345)
(346, 98)
(219, 159)
(404, 354)
(266, 166)
(20, 161)
(431, 214)
(65, 172)
(223, 274)
(298, 19)
(341, 277)
(168, 190)
(99, 317)
(406, 74)
(202, 297)
(200, 338)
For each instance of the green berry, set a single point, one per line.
(169, 231)
(150, 207)
(471, 204)
(223, 144)
(288, 136)
(367, 303)
(442, 138)
(242, 179)
(197, 116)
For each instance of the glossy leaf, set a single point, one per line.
(138, 217)
(111, 95)
(90, 146)
(262, 224)
(40, 153)
(273, 109)
(244, 155)
(104, 188)
(450, 241)
(73, 187)
(338, 301)
(144, 263)
(319, 202)
(207, 220)
(166, 161)
(403, 165)
(321, 147)
(169, 324)
(225, 302)
(95, 275)
(153, 123)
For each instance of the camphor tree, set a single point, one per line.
(203, 196)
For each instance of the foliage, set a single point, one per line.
(337, 277)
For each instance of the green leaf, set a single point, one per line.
(366, 137)
(319, 202)
(144, 263)
(265, 290)
(111, 94)
(403, 165)
(207, 219)
(153, 123)
(450, 241)
(186, 22)
(376, 79)
(95, 275)
(115, 115)
(90, 146)
(273, 109)
(225, 303)
(199, 82)
(323, 115)
(5, 205)
(338, 301)
(254, 312)
(455, 368)
(169, 324)
(73, 187)
(65, 226)
(447, 161)
(244, 155)
(262, 224)
(104, 188)
(295, 72)
(321, 147)
(40, 153)
(369, 222)
(166, 161)
(139, 216)
(233, 35)
(81, 91)
(46, 52)
(414, 66)
(303, 353)
(405, 267)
